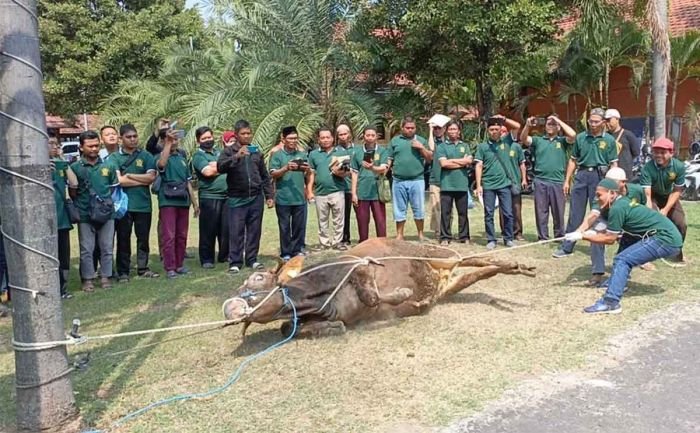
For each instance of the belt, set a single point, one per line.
(585, 168)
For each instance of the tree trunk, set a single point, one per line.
(657, 14)
(674, 92)
(647, 121)
(44, 393)
(607, 86)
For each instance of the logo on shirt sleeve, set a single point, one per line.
(139, 163)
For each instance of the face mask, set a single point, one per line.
(207, 144)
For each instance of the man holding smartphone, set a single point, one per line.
(249, 188)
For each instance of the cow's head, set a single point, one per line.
(256, 289)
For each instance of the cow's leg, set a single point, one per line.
(465, 280)
(505, 267)
(313, 329)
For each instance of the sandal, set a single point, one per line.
(149, 274)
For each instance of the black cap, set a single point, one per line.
(494, 121)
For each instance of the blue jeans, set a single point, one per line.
(582, 194)
(405, 192)
(644, 251)
(505, 200)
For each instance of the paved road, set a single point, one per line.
(655, 391)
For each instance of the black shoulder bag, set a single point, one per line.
(514, 187)
(99, 209)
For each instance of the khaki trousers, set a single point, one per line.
(435, 210)
(330, 207)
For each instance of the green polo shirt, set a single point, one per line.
(662, 180)
(351, 150)
(515, 157)
(59, 180)
(289, 189)
(326, 182)
(455, 179)
(408, 163)
(176, 170)
(367, 179)
(594, 150)
(435, 167)
(493, 176)
(637, 219)
(102, 176)
(211, 187)
(551, 157)
(139, 196)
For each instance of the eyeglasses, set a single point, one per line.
(594, 122)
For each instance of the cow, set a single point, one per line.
(377, 280)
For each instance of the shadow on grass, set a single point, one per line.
(579, 277)
(257, 341)
(485, 299)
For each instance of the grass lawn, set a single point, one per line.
(423, 371)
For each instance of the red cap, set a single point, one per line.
(228, 135)
(663, 143)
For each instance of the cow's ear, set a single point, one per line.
(290, 269)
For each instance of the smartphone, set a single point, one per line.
(369, 156)
(179, 133)
(252, 148)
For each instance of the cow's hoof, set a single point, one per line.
(405, 292)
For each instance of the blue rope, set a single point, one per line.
(233, 379)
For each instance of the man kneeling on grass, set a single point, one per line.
(660, 239)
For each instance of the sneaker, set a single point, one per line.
(123, 279)
(182, 271)
(302, 254)
(258, 266)
(286, 258)
(510, 244)
(66, 296)
(604, 306)
(208, 266)
(106, 283)
(171, 274)
(491, 245)
(560, 254)
(88, 286)
(234, 270)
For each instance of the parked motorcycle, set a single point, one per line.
(692, 179)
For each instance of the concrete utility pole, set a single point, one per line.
(45, 398)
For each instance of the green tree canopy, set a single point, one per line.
(89, 46)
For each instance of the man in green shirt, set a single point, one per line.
(408, 153)
(594, 152)
(454, 157)
(367, 164)
(494, 177)
(212, 200)
(61, 176)
(330, 165)
(136, 171)
(435, 139)
(550, 153)
(288, 169)
(659, 239)
(663, 180)
(98, 178)
(516, 162)
(345, 141)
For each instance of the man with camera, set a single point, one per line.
(288, 168)
(136, 171)
(594, 152)
(345, 141)
(436, 136)
(495, 178)
(550, 154)
(249, 189)
(96, 181)
(409, 153)
(330, 166)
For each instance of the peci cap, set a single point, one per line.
(616, 173)
(609, 184)
(611, 112)
(663, 143)
(494, 121)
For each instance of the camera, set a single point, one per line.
(300, 164)
(345, 165)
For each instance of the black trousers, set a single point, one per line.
(213, 229)
(63, 258)
(346, 220)
(447, 200)
(245, 228)
(140, 223)
(291, 221)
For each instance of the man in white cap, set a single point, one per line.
(628, 145)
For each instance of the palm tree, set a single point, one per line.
(657, 19)
(685, 56)
(278, 62)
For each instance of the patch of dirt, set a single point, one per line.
(531, 393)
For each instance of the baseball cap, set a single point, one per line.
(611, 112)
(663, 143)
(616, 173)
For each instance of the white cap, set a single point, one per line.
(616, 173)
(611, 112)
